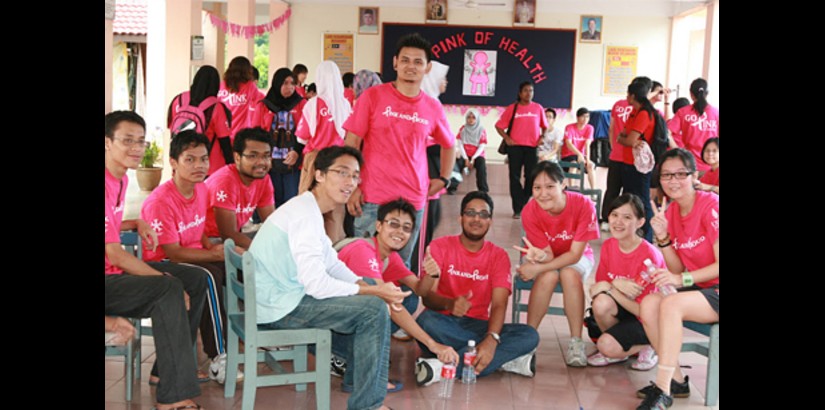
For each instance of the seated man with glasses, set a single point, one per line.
(470, 298)
(378, 258)
(237, 190)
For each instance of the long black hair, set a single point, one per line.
(699, 89)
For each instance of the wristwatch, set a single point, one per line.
(496, 337)
(445, 180)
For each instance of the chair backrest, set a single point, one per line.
(130, 240)
(237, 290)
(577, 178)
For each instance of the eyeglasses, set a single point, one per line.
(347, 174)
(661, 92)
(482, 214)
(253, 157)
(667, 176)
(394, 224)
(129, 142)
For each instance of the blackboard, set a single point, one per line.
(544, 56)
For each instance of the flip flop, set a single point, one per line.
(200, 380)
(346, 388)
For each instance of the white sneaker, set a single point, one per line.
(575, 353)
(605, 227)
(217, 369)
(337, 366)
(401, 335)
(427, 371)
(524, 365)
(647, 359)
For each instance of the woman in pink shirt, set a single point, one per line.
(576, 145)
(697, 122)
(709, 181)
(239, 92)
(687, 233)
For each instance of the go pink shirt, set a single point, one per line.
(614, 263)
(363, 259)
(471, 149)
(619, 115)
(577, 222)
(175, 218)
(114, 199)
(395, 128)
(693, 236)
(579, 137)
(528, 125)
(696, 129)
(463, 271)
(226, 191)
(241, 104)
(325, 133)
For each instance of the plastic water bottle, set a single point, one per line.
(666, 289)
(468, 374)
(447, 380)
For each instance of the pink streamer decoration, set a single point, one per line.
(238, 30)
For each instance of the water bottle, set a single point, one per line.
(468, 374)
(666, 289)
(447, 379)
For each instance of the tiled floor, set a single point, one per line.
(555, 385)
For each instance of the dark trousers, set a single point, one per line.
(526, 157)
(480, 164)
(214, 311)
(174, 329)
(285, 185)
(634, 182)
(614, 186)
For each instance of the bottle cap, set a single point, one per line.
(471, 343)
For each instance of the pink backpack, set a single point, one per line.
(189, 117)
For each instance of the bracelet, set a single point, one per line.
(664, 245)
(661, 242)
(445, 180)
(687, 279)
(667, 103)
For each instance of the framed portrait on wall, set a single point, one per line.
(524, 13)
(436, 11)
(368, 20)
(591, 29)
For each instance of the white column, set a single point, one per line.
(107, 56)
(241, 12)
(278, 39)
(710, 71)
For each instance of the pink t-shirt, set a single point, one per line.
(115, 198)
(463, 271)
(613, 263)
(218, 127)
(577, 222)
(579, 137)
(175, 218)
(363, 259)
(349, 94)
(619, 115)
(693, 236)
(395, 130)
(226, 191)
(325, 133)
(711, 177)
(675, 134)
(696, 129)
(643, 123)
(240, 104)
(471, 149)
(528, 125)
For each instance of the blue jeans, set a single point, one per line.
(284, 185)
(366, 320)
(516, 339)
(634, 182)
(365, 227)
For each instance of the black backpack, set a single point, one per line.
(659, 143)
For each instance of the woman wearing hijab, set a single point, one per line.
(279, 113)
(472, 138)
(206, 84)
(364, 79)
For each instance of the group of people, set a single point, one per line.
(303, 165)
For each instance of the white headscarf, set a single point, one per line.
(431, 83)
(331, 90)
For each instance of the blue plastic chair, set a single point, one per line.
(709, 349)
(594, 194)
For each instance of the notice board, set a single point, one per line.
(340, 48)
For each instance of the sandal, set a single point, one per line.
(189, 406)
(346, 388)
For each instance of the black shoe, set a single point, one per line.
(337, 367)
(656, 399)
(677, 390)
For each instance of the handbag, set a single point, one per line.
(502, 148)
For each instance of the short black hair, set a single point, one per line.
(582, 111)
(684, 155)
(347, 78)
(477, 195)
(312, 88)
(679, 103)
(414, 40)
(369, 11)
(186, 139)
(114, 118)
(713, 140)
(327, 156)
(251, 134)
(635, 205)
(548, 109)
(400, 205)
(549, 168)
(299, 69)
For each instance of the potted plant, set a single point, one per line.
(148, 175)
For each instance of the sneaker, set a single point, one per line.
(575, 353)
(647, 359)
(217, 369)
(656, 399)
(605, 227)
(599, 360)
(677, 390)
(401, 335)
(427, 371)
(337, 367)
(524, 365)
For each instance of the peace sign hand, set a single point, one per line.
(659, 222)
(532, 253)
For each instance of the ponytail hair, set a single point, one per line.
(699, 89)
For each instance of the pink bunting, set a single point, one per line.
(238, 30)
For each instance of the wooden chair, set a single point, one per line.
(594, 194)
(242, 326)
(709, 349)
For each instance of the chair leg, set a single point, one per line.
(232, 362)
(299, 364)
(322, 377)
(129, 360)
(138, 348)
(712, 386)
(250, 383)
(515, 309)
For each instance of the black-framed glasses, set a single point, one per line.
(667, 176)
(262, 157)
(395, 224)
(481, 214)
(129, 142)
(347, 174)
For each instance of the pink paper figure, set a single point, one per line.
(479, 76)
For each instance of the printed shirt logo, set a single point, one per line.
(689, 244)
(624, 112)
(221, 196)
(197, 222)
(232, 98)
(414, 118)
(373, 264)
(563, 235)
(106, 225)
(157, 226)
(248, 209)
(715, 222)
(701, 122)
(325, 113)
(474, 275)
(526, 114)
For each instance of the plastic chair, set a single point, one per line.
(520, 285)
(242, 326)
(594, 194)
(709, 349)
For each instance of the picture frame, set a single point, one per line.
(588, 34)
(524, 13)
(435, 12)
(368, 20)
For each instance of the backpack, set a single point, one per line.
(659, 144)
(189, 117)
